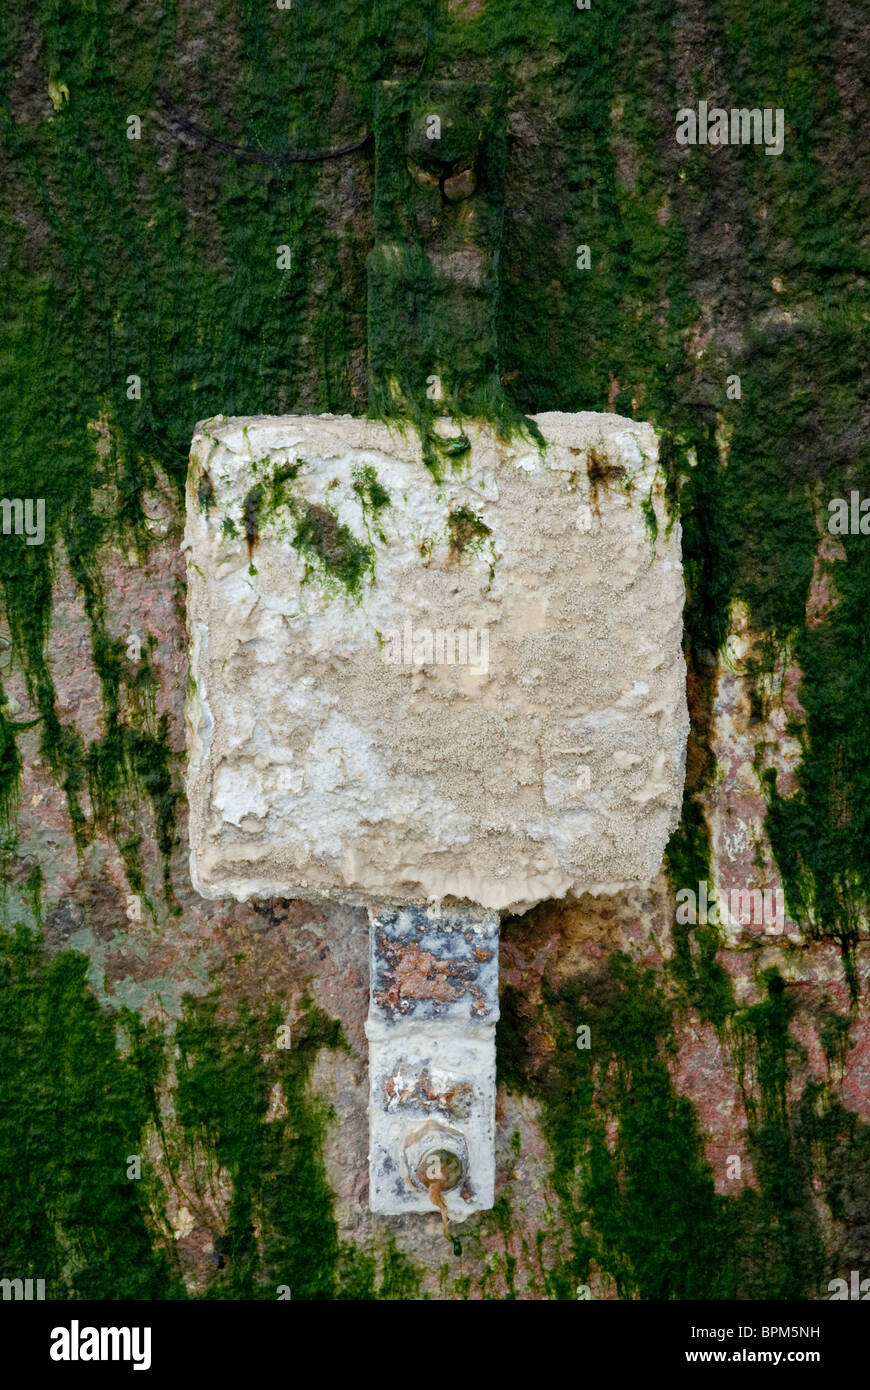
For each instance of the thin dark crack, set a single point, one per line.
(182, 123)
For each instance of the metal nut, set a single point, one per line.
(435, 1144)
(440, 1166)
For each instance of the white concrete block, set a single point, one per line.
(474, 694)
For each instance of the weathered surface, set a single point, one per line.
(337, 749)
(157, 257)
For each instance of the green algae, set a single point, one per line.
(467, 531)
(87, 1086)
(275, 1168)
(281, 1230)
(424, 323)
(387, 1274)
(635, 1190)
(10, 770)
(70, 1214)
(433, 275)
(703, 980)
(373, 498)
(783, 1249)
(819, 832)
(331, 548)
(628, 1205)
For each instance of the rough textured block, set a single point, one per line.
(431, 1030)
(411, 691)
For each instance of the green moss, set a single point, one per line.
(388, 1274)
(132, 758)
(87, 1086)
(401, 1278)
(797, 429)
(370, 491)
(635, 1191)
(356, 1278)
(373, 497)
(70, 1214)
(432, 334)
(422, 323)
(467, 531)
(835, 1036)
(457, 447)
(502, 1267)
(332, 548)
(205, 492)
(649, 515)
(327, 545)
(271, 495)
(275, 1167)
(10, 771)
(705, 983)
(793, 1261)
(819, 832)
(642, 1205)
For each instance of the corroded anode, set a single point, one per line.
(467, 692)
(439, 676)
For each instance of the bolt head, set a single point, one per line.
(441, 1166)
(437, 1150)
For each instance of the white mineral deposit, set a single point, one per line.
(471, 693)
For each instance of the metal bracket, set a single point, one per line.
(431, 1031)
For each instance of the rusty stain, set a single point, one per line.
(251, 513)
(416, 974)
(600, 470)
(419, 1092)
